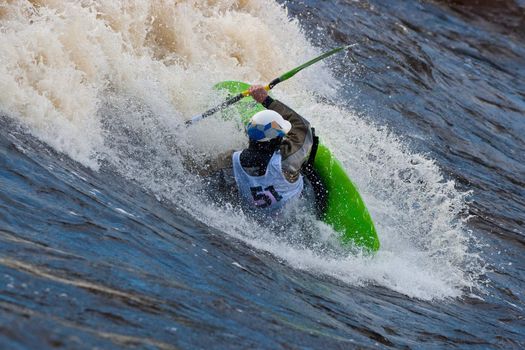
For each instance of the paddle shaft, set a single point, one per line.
(268, 87)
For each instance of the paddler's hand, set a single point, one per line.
(258, 93)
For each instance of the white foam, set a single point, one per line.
(114, 80)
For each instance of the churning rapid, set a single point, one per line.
(109, 84)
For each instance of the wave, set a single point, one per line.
(110, 84)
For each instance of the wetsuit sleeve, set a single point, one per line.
(297, 144)
(223, 161)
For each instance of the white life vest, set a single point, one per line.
(269, 192)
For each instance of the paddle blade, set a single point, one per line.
(294, 71)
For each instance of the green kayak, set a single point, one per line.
(345, 212)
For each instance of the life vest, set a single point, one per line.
(269, 192)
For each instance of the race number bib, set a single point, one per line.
(265, 198)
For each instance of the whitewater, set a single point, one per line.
(109, 84)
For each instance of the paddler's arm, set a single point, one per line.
(297, 144)
(223, 161)
(205, 169)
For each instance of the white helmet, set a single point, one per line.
(266, 125)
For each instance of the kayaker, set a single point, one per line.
(267, 174)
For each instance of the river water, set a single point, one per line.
(108, 241)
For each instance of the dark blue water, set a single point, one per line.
(91, 259)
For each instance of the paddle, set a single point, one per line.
(270, 86)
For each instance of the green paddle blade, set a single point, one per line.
(294, 71)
